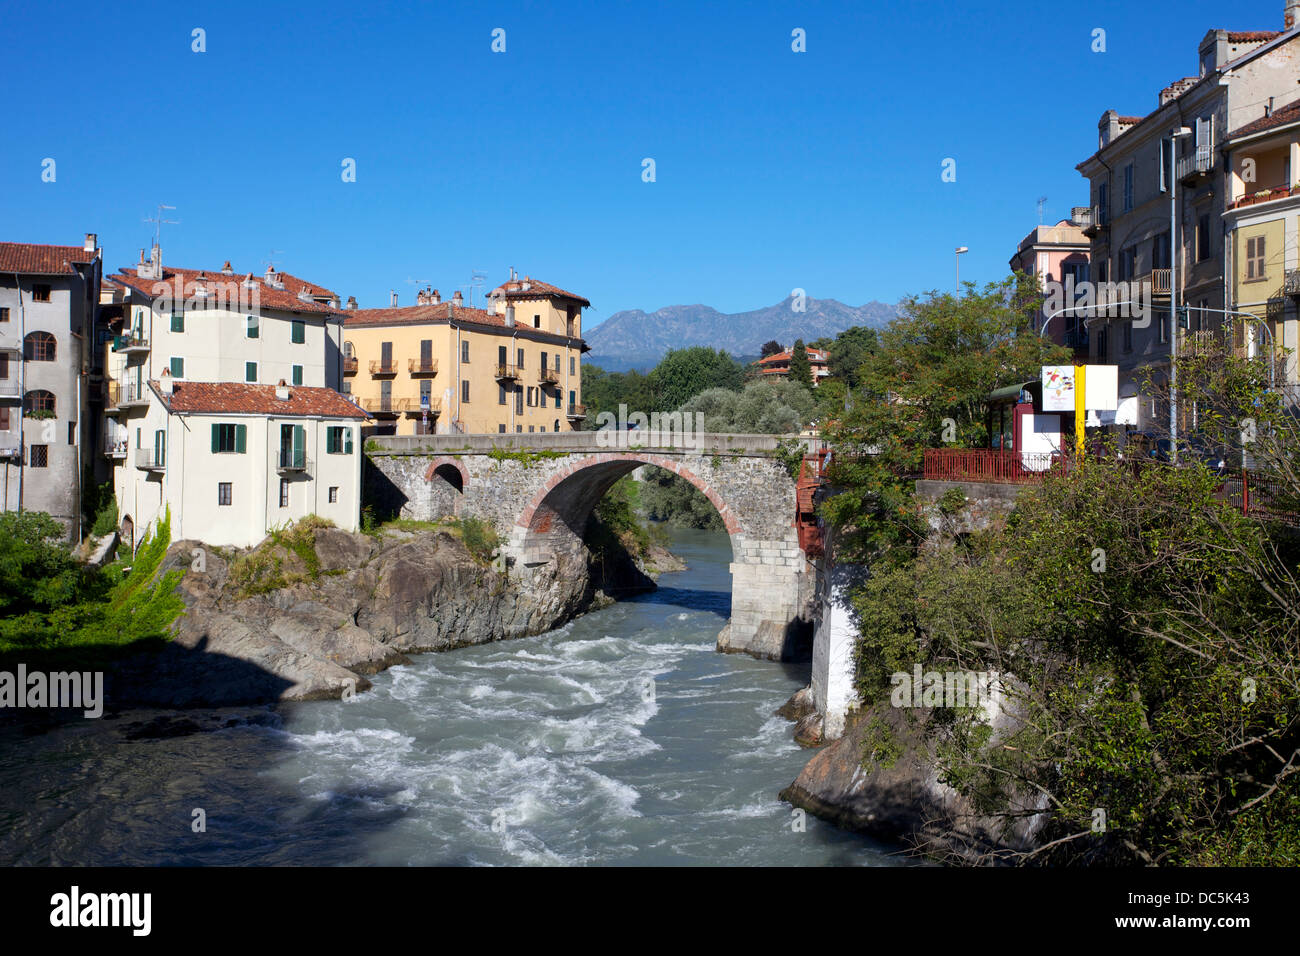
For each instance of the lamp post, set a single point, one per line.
(1175, 251)
(957, 260)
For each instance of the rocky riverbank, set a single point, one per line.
(309, 619)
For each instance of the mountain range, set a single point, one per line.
(634, 339)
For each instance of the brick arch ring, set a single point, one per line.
(447, 460)
(530, 512)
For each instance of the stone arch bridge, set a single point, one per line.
(539, 489)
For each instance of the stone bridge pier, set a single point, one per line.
(539, 490)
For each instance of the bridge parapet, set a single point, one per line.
(593, 442)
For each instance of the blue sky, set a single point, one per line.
(774, 169)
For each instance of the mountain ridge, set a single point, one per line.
(633, 338)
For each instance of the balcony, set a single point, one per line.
(292, 460)
(381, 367)
(422, 366)
(1193, 167)
(577, 410)
(386, 406)
(1159, 280)
(132, 343)
(115, 447)
(549, 376)
(9, 388)
(1098, 220)
(350, 366)
(1291, 282)
(416, 410)
(507, 373)
(125, 395)
(1265, 195)
(149, 459)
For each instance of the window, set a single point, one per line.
(178, 321)
(426, 394)
(1128, 336)
(537, 324)
(39, 402)
(571, 364)
(519, 359)
(38, 456)
(519, 400)
(347, 388)
(1103, 343)
(1166, 150)
(1128, 187)
(501, 355)
(1162, 326)
(1203, 238)
(1160, 251)
(297, 375)
(4, 418)
(177, 366)
(228, 438)
(4, 313)
(464, 350)
(519, 428)
(501, 429)
(1127, 263)
(223, 493)
(40, 292)
(250, 371)
(1255, 258)
(334, 494)
(250, 327)
(501, 394)
(39, 347)
(544, 363)
(530, 396)
(530, 429)
(464, 390)
(1103, 204)
(557, 361)
(72, 433)
(338, 440)
(298, 332)
(284, 492)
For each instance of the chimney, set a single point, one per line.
(165, 383)
(457, 299)
(155, 258)
(282, 393)
(226, 270)
(1291, 17)
(393, 296)
(90, 244)
(434, 298)
(419, 297)
(352, 302)
(510, 316)
(250, 282)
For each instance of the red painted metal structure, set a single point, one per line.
(990, 465)
(811, 473)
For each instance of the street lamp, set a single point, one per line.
(1175, 250)
(957, 260)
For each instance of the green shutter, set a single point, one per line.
(178, 367)
(347, 441)
(241, 437)
(299, 332)
(178, 321)
(216, 438)
(250, 371)
(252, 327)
(297, 375)
(299, 444)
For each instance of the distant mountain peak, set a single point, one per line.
(634, 338)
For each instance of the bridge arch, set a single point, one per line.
(450, 470)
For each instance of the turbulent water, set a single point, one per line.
(622, 738)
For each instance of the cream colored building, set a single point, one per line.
(440, 367)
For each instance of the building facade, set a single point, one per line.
(1129, 221)
(49, 297)
(1058, 255)
(777, 365)
(1262, 223)
(442, 367)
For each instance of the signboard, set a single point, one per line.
(1058, 388)
(1101, 388)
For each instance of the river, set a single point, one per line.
(621, 738)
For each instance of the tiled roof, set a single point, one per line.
(814, 355)
(223, 397)
(1252, 36)
(1287, 114)
(514, 289)
(23, 257)
(269, 297)
(417, 314)
(1131, 119)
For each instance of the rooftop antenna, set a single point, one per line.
(416, 281)
(158, 222)
(476, 279)
(269, 261)
(1042, 201)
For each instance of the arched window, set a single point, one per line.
(347, 350)
(39, 402)
(39, 347)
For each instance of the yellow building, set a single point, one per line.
(1263, 225)
(441, 367)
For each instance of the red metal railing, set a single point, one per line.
(988, 464)
(1265, 498)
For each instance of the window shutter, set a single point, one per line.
(216, 439)
(347, 441)
(241, 437)
(299, 441)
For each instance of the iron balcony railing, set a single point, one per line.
(387, 406)
(9, 388)
(420, 366)
(549, 375)
(130, 342)
(988, 465)
(293, 459)
(1291, 282)
(380, 367)
(577, 410)
(415, 408)
(150, 459)
(1201, 161)
(507, 372)
(350, 366)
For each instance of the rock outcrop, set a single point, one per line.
(310, 625)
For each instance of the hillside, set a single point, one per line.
(637, 339)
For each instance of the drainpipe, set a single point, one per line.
(22, 388)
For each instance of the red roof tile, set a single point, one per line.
(1251, 36)
(416, 314)
(33, 259)
(269, 297)
(1282, 117)
(224, 397)
(514, 289)
(816, 356)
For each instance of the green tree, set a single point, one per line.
(684, 373)
(771, 348)
(850, 352)
(800, 369)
